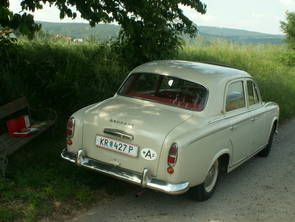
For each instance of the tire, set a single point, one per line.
(265, 152)
(205, 190)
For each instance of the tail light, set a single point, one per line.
(172, 155)
(70, 127)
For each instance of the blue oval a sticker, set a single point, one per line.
(148, 154)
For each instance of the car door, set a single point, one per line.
(258, 116)
(239, 117)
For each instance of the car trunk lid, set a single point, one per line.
(139, 123)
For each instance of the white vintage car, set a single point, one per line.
(174, 125)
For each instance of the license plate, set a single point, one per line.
(117, 146)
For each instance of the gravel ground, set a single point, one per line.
(262, 189)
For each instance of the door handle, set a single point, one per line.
(119, 133)
(254, 119)
(233, 127)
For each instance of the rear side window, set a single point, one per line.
(235, 97)
(252, 93)
(165, 89)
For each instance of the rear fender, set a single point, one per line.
(218, 155)
(275, 121)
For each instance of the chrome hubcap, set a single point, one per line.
(211, 177)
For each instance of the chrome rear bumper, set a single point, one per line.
(143, 180)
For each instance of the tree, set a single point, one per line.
(150, 29)
(23, 23)
(288, 28)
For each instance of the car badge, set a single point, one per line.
(129, 125)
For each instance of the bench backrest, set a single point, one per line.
(13, 107)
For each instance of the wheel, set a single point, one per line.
(265, 152)
(205, 190)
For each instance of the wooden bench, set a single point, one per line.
(9, 144)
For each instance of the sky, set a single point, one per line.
(253, 15)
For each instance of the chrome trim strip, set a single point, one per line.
(216, 120)
(119, 133)
(231, 116)
(144, 179)
(69, 156)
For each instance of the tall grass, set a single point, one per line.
(270, 65)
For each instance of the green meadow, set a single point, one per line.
(67, 76)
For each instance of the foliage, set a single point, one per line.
(288, 58)
(23, 23)
(288, 27)
(150, 29)
(128, 13)
(55, 73)
(59, 74)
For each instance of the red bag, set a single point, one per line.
(12, 126)
(17, 124)
(24, 122)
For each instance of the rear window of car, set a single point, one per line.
(165, 89)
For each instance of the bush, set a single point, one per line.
(288, 58)
(65, 76)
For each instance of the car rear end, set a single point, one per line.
(125, 150)
(125, 136)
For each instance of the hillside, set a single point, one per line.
(82, 30)
(240, 35)
(106, 31)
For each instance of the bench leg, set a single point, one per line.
(3, 158)
(3, 165)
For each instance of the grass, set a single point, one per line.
(40, 184)
(68, 76)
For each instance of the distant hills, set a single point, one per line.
(107, 31)
(82, 30)
(240, 35)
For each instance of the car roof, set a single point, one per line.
(202, 73)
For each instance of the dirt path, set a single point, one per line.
(260, 190)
